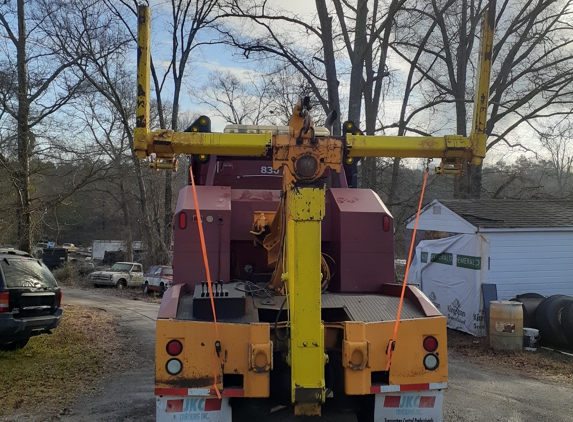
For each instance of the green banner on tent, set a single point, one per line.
(470, 262)
(442, 258)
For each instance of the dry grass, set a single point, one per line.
(543, 363)
(53, 369)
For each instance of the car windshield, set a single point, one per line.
(168, 271)
(118, 266)
(26, 272)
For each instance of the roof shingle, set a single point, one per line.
(511, 213)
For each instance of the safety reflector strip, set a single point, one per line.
(376, 389)
(198, 392)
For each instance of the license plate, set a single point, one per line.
(422, 406)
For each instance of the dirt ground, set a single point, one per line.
(543, 363)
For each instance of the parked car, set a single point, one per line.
(30, 299)
(122, 274)
(158, 279)
(70, 247)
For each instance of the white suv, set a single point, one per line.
(158, 279)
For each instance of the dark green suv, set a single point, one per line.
(30, 299)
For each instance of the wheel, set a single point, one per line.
(567, 321)
(161, 289)
(548, 316)
(14, 345)
(121, 284)
(146, 288)
(96, 286)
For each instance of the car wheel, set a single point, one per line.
(146, 288)
(548, 316)
(161, 289)
(96, 286)
(13, 345)
(121, 284)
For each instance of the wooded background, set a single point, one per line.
(396, 67)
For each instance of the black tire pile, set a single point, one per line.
(552, 316)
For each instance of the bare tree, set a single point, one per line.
(45, 84)
(532, 66)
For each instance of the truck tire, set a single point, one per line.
(548, 316)
(146, 288)
(161, 289)
(567, 321)
(121, 284)
(14, 345)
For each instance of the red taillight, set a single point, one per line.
(4, 302)
(430, 344)
(386, 223)
(182, 220)
(174, 347)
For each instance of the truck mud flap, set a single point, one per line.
(173, 408)
(419, 406)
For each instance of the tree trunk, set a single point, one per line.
(127, 235)
(329, 63)
(168, 212)
(23, 174)
(355, 92)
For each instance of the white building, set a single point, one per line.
(100, 247)
(531, 242)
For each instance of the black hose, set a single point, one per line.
(277, 337)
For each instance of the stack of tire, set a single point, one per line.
(552, 316)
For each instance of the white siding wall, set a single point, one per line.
(446, 221)
(522, 262)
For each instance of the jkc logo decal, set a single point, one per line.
(193, 405)
(409, 402)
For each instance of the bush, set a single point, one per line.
(66, 275)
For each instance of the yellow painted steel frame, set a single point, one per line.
(166, 144)
(305, 207)
(364, 349)
(246, 350)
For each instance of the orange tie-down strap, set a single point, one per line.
(392, 341)
(217, 354)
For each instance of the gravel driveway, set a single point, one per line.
(475, 393)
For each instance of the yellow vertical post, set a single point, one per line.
(143, 79)
(305, 207)
(478, 136)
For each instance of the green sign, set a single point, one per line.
(424, 257)
(442, 258)
(471, 262)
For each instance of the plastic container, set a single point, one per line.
(506, 325)
(530, 339)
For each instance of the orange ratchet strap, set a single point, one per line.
(392, 342)
(208, 273)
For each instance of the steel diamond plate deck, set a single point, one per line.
(367, 308)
